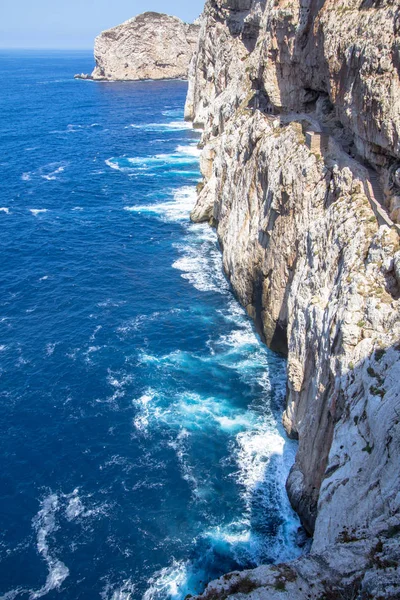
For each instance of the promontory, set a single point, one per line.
(149, 46)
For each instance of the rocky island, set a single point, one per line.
(149, 46)
(299, 103)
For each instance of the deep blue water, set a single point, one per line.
(141, 447)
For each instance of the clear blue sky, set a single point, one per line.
(75, 23)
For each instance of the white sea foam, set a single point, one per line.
(234, 313)
(76, 510)
(72, 128)
(235, 534)
(52, 175)
(12, 594)
(119, 380)
(239, 338)
(201, 265)
(183, 456)
(45, 524)
(171, 126)
(95, 332)
(177, 209)
(50, 349)
(110, 303)
(140, 321)
(141, 421)
(75, 507)
(48, 172)
(123, 592)
(37, 211)
(168, 582)
(5, 210)
(190, 150)
(162, 159)
(184, 155)
(177, 125)
(90, 352)
(233, 423)
(264, 459)
(109, 162)
(186, 411)
(173, 112)
(255, 449)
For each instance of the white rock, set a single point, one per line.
(306, 257)
(149, 46)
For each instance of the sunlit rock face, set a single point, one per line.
(149, 46)
(309, 260)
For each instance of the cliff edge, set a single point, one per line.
(149, 46)
(299, 105)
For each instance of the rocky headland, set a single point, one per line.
(149, 46)
(299, 103)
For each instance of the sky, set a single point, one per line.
(75, 23)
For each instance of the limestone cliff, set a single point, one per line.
(299, 102)
(149, 46)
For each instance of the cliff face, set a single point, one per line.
(149, 46)
(296, 216)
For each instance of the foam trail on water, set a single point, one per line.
(5, 210)
(171, 126)
(45, 524)
(12, 594)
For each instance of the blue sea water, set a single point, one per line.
(141, 448)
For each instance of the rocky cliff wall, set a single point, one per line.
(149, 46)
(307, 257)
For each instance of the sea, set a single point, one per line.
(142, 452)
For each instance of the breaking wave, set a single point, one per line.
(176, 209)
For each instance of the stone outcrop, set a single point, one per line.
(308, 258)
(149, 46)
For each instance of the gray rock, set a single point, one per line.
(149, 46)
(307, 258)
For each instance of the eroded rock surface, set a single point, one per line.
(311, 263)
(149, 46)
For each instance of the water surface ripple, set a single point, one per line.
(142, 452)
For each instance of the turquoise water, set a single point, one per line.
(141, 447)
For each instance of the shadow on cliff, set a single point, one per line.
(302, 71)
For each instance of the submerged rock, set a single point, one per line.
(149, 46)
